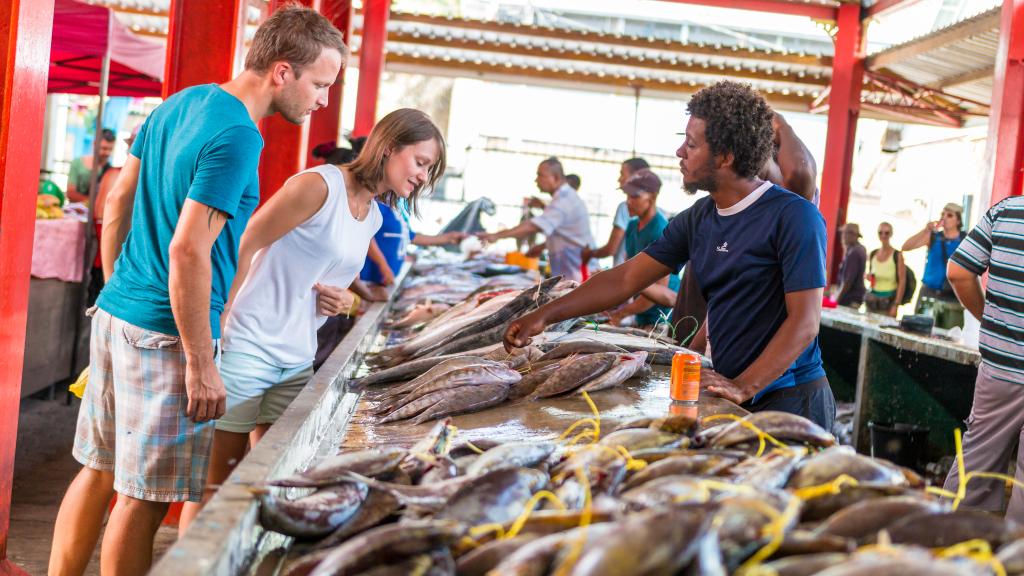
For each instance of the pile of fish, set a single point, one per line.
(478, 320)
(476, 380)
(769, 493)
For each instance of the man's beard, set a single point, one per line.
(708, 184)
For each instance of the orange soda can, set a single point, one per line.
(688, 409)
(684, 385)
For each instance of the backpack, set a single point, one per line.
(910, 284)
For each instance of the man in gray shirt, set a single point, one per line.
(564, 223)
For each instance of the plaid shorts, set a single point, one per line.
(132, 420)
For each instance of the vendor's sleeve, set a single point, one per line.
(975, 252)
(673, 248)
(801, 245)
(621, 217)
(140, 140)
(225, 169)
(552, 217)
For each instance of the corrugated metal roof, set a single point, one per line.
(958, 59)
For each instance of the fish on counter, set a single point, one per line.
(550, 506)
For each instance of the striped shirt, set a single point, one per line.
(997, 244)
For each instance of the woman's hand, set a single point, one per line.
(333, 301)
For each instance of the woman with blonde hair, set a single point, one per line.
(299, 253)
(887, 275)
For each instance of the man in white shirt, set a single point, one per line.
(565, 223)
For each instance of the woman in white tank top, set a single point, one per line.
(299, 253)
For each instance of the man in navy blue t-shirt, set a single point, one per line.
(758, 252)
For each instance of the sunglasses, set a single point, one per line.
(885, 232)
(950, 214)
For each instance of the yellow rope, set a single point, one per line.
(776, 530)
(577, 424)
(826, 489)
(631, 463)
(577, 547)
(761, 434)
(528, 509)
(977, 550)
(474, 447)
(595, 422)
(482, 529)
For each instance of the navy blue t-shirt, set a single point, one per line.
(745, 262)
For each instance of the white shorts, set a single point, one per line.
(257, 392)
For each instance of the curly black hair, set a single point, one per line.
(737, 121)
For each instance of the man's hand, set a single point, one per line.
(332, 301)
(719, 385)
(586, 254)
(534, 202)
(535, 251)
(934, 226)
(387, 277)
(453, 237)
(205, 390)
(519, 332)
(379, 293)
(615, 318)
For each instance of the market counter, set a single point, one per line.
(896, 376)
(226, 537)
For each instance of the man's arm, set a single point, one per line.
(519, 232)
(795, 163)
(117, 214)
(967, 287)
(601, 292)
(439, 239)
(918, 240)
(387, 275)
(610, 248)
(189, 281)
(660, 294)
(803, 315)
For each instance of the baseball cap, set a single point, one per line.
(642, 180)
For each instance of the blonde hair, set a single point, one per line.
(296, 35)
(395, 131)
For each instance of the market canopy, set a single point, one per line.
(82, 34)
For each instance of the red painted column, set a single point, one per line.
(26, 27)
(325, 125)
(1006, 121)
(284, 143)
(203, 42)
(843, 110)
(371, 63)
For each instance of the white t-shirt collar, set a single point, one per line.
(746, 202)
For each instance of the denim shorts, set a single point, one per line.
(258, 392)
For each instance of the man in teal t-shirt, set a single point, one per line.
(171, 231)
(646, 226)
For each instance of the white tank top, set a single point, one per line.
(274, 315)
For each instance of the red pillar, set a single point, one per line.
(284, 143)
(843, 110)
(26, 27)
(203, 42)
(1006, 121)
(325, 124)
(371, 63)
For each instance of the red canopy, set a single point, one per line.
(81, 35)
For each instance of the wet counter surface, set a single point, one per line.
(529, 419)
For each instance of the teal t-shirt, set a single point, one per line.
(636, 240)
(202, 145)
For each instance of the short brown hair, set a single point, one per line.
(395, 131)
(296, 35)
